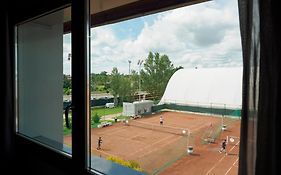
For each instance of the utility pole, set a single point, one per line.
(129, 66)
(69, 56)
(139, 63)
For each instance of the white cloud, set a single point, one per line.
(66, 51)
(205, 35)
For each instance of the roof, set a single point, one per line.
(203, 86)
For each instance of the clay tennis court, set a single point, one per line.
(160, 152)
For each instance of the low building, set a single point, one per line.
(137, 107)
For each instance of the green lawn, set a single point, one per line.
(66, 131)
(103, 111)
(123, 117)
(106, 111)
(100, 112)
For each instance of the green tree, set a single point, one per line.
(115, 84)
(157, 71)
(67, 91)
(103, 78)
(121, 86)
(99, 81)
(96, 118)
(66, 84)
(134, 79)
(125, 89)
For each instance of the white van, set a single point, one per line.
(109, 105)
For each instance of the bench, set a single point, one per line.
(104, 124)
(136, 116)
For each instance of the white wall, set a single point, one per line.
(143, 106)
(40, 77)
(137, 107)
(128, 109)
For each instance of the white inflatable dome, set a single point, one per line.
(205, 86)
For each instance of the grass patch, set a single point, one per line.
(66, 131)
(122, 117)
(100, 112)
(94, 125)
(106, 111)
(130, 164)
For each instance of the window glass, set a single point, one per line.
(166, 92)
(44, 79)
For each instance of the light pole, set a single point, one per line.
(129, 66)
(69, 59)
(139, 63)
(69, 56)
(222, 119)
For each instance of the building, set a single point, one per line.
(137, 107)
(205, 87)
(260, 30)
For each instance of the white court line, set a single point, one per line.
(150, 145)
(200, 127)
(152, 150)
(234, 146)
(236, 161)
(231, 166)
(215, 165)
(220, 160)
(110, 132)
(140, 134)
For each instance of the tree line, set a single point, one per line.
(154, 76)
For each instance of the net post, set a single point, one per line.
(189, 146)
(211, 109)
(226, 139)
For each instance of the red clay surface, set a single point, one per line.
(164, 153)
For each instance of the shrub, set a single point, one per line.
(67, 91)
(100, 88)
(96, 118)
(133, 164)
(130, 164)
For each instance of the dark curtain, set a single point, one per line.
(260, 32)
(6, 117)
(268, 152)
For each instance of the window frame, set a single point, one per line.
(81, 23)
(20, 136)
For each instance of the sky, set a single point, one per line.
(202, 35)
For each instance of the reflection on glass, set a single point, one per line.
(44, 80)
(165, 88)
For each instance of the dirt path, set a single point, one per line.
(110, 117)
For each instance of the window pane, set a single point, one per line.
(44, 79)
(166, 91)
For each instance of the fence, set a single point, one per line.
(212, 108)
(94, 102)
(167, 129)
(154, 162)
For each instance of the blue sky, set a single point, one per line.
(131, 28)
(202, 35)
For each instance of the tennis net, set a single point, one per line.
(161, 128)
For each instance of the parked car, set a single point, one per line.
(109, 105)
